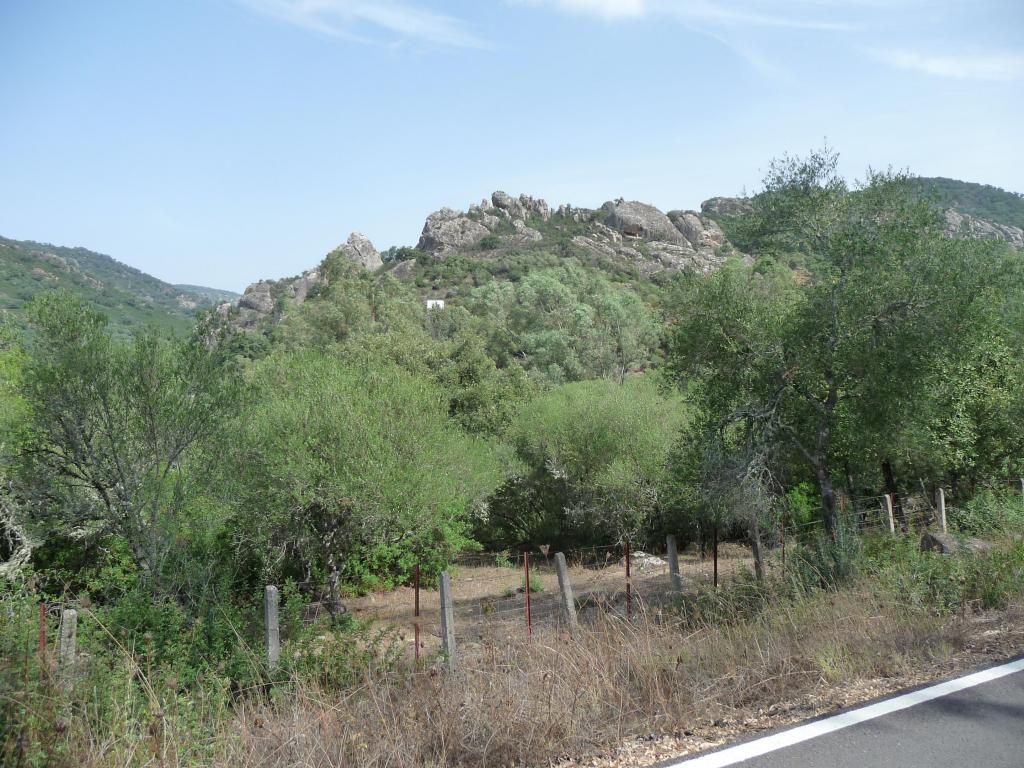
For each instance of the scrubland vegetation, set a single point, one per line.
(159, 483)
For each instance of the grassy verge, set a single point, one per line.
(860, 610)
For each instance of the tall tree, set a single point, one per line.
(849, 338)
(111, 426)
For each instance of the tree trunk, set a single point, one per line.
(755, 545)
(893, 490)
(828, 499)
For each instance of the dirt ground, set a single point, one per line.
(489, 600)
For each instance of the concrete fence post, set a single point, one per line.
(940, 508)
(673, 564)
(448, 621)
(68, 637)
(272, 627)
(565, 590)
(887, 508)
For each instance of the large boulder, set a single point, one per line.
(258, 298)
(359, 249)
(699, 231)
(447, 230)
(505, 202)
(947, 544)
(726, 206)
(641, 220)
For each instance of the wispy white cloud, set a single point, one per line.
(750, 13)
(984, 66)
(607, 9)
(366, 20)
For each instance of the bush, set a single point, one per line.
(988, 512)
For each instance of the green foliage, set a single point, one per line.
(595, 454)
(981, 200)
(131, 299)
(111, 427)
(988, 513)
(350, 466)
(565, 324)
(822, 368)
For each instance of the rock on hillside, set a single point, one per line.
(965, 225)
(634, 232)
(260, 300)
(359, 249)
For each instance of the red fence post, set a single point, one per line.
(629, 585)
(526, 575)
(416, 614)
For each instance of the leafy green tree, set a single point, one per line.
(353, 466)
(853, 342)
(15, 541)
(111, 426)
(595, 454)
(565, 324)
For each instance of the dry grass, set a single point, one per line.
(560, 695)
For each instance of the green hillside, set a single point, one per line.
(129, 297)
(981, 200)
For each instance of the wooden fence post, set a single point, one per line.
(526, 579)
(715, 554)
(941, 509)
(629, 584)
(447, 621)
(673, 564)
(271, 625)
(68, 637)
(565, 590)
(887, 508)
(416, 615)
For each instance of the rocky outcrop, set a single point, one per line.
(258, 298)
(699, 231)
(726, 206)
(964, 225)
(360, 250)
(641, 221)
(525, 234)
(447, 230)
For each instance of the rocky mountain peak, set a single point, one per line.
(359, 249)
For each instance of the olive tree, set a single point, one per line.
(848, 340)
(111, 426)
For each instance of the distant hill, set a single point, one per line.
(979, 200)
(129, 297)
(213, 296)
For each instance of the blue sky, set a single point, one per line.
(221, 141)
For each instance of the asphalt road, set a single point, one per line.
(975, 721)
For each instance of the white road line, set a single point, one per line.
(763, 746)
